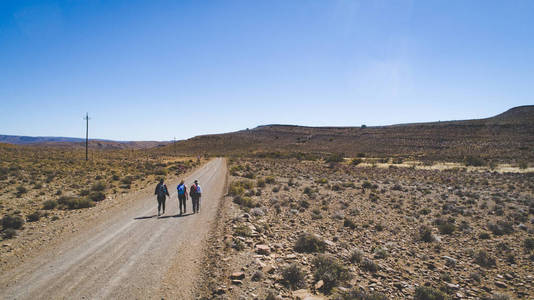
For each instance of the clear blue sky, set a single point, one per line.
(152, 70)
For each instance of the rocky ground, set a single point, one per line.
(313, 230)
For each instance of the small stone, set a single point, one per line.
(237, 275)
(237, 282)
(500, 284)
(263, 249)
(319, 284)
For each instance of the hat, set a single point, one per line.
(196, 181)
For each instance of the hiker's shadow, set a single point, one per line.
(145, 217)
(175, 216)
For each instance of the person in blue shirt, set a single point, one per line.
(182, 196)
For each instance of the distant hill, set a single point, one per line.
(78, 142)
(508, 136)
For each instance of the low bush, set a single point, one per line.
(357, 294)
(309, 243)
(9, 233)
(49, 204)
(33, 217)
(428, 293)
(529, 244)
(356, 256)
(425, 234)
(293, 277)
(98, 186)
(474, 161)
(330, 271)
(12, 221)
(446, 228)
(270, 180)
(501, 227)
(356, 161)
(69, 202)
(349, 223)
(97, 196)
(483, 259)
(368, 265)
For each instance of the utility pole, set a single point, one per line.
(174, 145)
(86, 118)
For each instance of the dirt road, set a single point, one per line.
(131, 254)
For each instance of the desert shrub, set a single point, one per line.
(379, 227)
(357, 294)
(235, 189)
(271, 296)
(127, 180)
(349, 223)
(9, 233)
(33, 217)
(501, 227)
(38, 186)
(97, 196)
(69, 202)
(425, 234)
(380, 253)
(330, 271)
(497, 297)
(276, 189)
(446, 228)
(99, 186)
(334, 158)
(316, 214)
(21, 190)
(356, 256)
(529, 244)
(368, 265)
(293, 277)
(474, 161)
(243, 230)
(304, 204)
(321, 181)
(356, 161)
(366, 185)
(260, 182)
(249, 175)
(309, 243)
(428, 293)
(483, 259)
(115, 177)
(484, 236)
(12, 221)
(49, 204)
(523, 165)
(84, 193)
(270, 180)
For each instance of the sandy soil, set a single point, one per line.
(126, 254)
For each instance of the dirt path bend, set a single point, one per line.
(131, 255)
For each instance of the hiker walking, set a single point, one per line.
(195, 192)
(161, 192)
(182, 195)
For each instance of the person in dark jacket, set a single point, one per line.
(195, 192)
(161, 192)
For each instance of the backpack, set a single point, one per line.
(193, 191)
(162, 190)
(181, 189)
